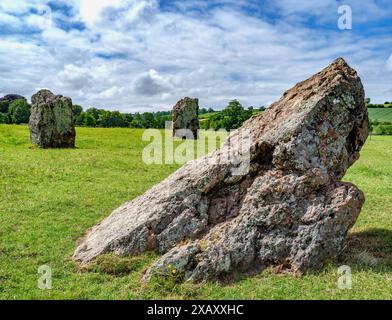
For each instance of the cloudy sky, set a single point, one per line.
(144, 55)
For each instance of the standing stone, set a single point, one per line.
(290, 210)
(185, 116)
(51, 121)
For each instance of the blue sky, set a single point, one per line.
(144, 55)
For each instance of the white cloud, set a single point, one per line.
(15, 6)
(150, 84)
(91, 10)
(74, 77)
(112, 92)
(389, 63)
(113, 12)
(134, 56)
(135, 11)
(6, 18)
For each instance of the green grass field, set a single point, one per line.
(207, 115)
(381, 115)
(49, 198)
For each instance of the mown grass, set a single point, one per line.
(49, 198)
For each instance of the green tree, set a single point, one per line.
(128, 117)
(136, 121)
(77, 110)
(159, 121)
(80, 120)
(89, 120)
(215, 121)
(234, 115)
(148, 120)
(19, 111)
(370, 126)
(4, 118)
(112, 119)
(94, 112)
(384, 129)
(4, 106)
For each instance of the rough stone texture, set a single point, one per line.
(289, 211)
(51, 121)
(185, 116)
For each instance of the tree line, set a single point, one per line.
(383, 128)
(94, 117)
(231, 117)
(386, 104)
(16, 110)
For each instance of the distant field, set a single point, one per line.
(380, 114)
(207, 115)
(49, 198)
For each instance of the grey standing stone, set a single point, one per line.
(186, 118)
(51, 121)
(289, 211)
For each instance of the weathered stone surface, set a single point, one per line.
(51, 121)
(185, 118)
(289, 210)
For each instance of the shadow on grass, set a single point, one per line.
(369, 250)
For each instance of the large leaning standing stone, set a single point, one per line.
(186, 118)
(290, 210)
(51, 121)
